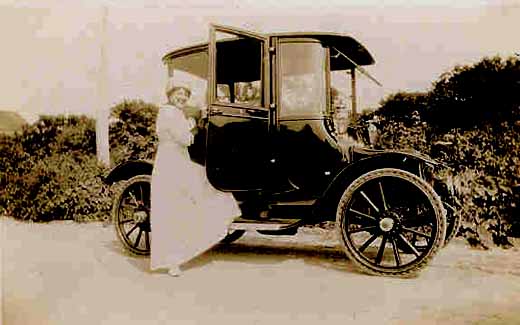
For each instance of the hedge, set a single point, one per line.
(50, 172)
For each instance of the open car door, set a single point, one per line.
(237, 156)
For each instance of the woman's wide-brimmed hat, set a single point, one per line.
(179, 79)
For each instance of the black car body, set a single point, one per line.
(269, 137)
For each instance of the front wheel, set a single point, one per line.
(390, 222)
(131, 214)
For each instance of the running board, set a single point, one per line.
(264, 225)
(305, 203)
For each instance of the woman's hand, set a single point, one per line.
(193, 126)
(203, 113)
(201, 123)
(192, 123)
(203, 118)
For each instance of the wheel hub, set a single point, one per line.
(140, 216)
(386, 224)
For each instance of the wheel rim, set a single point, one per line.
(389, 223)
(453, 223)
(133, 217)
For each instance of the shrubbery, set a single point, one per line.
(470, 120)
(468, 95)
(50, 172)
(484, 172)
(132, 131)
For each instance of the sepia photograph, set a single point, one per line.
(260, 162)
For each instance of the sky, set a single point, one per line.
(51, 54)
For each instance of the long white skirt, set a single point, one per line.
(188, 215)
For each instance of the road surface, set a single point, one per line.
(69, 273)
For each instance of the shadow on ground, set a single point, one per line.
(254, 254)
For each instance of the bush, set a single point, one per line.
(472, 94)
(486, 165)
(52, 163)
(401, 106)
(59, 187)
(471, 122)
(486, 203)
(397, 135)
(50, 172)
(132, 131)
(484, 172)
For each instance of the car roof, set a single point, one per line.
(344, 43)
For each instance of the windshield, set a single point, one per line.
(341, 99)
(303, 90)
(191, 71)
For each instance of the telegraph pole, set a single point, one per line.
(102, 109)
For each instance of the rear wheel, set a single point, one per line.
(391, 222)
(131, 214)
(453, 221)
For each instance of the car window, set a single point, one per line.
(248, 93)
(303, 88)
(223, 93)
(191, 71)
(239, 69)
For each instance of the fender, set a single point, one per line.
(127, 170)
(364, 152)
(363, 161)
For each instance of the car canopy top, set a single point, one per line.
(231, 49)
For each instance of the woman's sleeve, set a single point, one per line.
(173, 127)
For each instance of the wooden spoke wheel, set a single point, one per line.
(453, 223)
(391, 222)
(131, 214)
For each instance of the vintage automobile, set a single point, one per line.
(269, 138)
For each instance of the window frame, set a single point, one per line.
(325, 111)
(202, 50)
(264, 68)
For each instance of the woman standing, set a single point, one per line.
(188, 215)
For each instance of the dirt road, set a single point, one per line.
(68, 273)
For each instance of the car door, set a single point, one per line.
(237, 144)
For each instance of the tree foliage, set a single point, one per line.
(464, 97)
(50, 171)
(469, 120)
(132, 131)
(469, 95)
(402, 105)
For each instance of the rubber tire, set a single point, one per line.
(120, 188)
(413, 268)
(453, 223)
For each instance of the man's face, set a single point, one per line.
(179, 97)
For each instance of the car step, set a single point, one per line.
(266, 224)
(305, 203)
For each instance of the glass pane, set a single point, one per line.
(303, 88)
(340, 93)
(239, 69)
(190, 71)
(223, 93)
(221, 36)
(248, 93)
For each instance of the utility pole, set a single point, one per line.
(102, 109)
